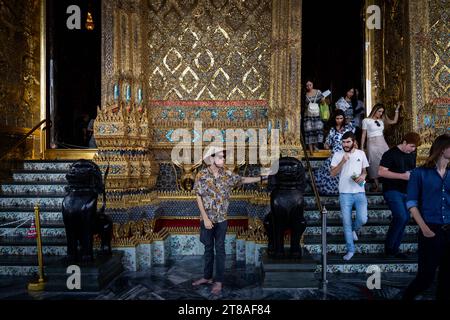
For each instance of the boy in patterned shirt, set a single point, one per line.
(213, 186)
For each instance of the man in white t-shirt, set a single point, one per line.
(350, 164)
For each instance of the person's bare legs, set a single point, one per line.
(216, 288)
(202, 281)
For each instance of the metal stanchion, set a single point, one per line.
(324, 251)
(38, 285)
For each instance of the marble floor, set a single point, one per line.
(173, 282)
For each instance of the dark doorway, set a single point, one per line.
(73, 72)
(333, 46)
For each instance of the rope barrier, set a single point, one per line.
(12, 222)
(14, 230)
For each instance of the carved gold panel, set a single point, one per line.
(429, 69)
(208, 50)
(19, 63)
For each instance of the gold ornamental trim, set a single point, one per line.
(71, 154)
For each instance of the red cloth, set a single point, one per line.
(194, 222)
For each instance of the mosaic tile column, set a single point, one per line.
(129, 258)
(144, 256)
(240, 250)
(158, 253)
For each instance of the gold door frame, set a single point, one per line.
(45, 152)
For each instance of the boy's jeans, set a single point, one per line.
(347, 200)
(211, 238)
(400, 218)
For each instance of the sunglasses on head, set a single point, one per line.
(219, 156)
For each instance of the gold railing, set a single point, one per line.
(323, 212)
(24, 138)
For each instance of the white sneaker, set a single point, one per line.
(355, 236)
(348, 256)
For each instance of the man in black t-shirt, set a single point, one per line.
(395, 166)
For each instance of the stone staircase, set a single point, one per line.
(44, 182)
(37, 182)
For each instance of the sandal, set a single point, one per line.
(201, 281)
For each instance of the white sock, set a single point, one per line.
(355, 236)
(348, 256)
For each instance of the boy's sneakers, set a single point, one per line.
(348, 256)
(355, 236)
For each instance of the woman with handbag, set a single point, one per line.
(313, 124)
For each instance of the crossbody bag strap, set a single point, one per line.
(315, 97)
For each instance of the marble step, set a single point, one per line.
(32, 250)
(10, 215)
(360, 247)
(44, 223)
(338, 239)
(360, 263)
(25, 246)
(371, 221)
(365, 230)
(55, 200)
(29, 201)
(365, 244)
(29, 188)
(59, 231)
(47, 165)
(313, 216)
(24, 265)
(309, 190)
(37, 176)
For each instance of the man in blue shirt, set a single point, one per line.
(429, 204)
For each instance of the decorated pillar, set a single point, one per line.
(285, 74)
(428, 70)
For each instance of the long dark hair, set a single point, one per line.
(439, 145)
(353, 102)
(376, 107)
(335, 114)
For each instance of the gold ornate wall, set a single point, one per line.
(428, 69)
(408, 63)
(230, 64)
(208, 50)
(387, 64)
(19, 70)
(206, 60)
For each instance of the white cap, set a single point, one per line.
(212, 149)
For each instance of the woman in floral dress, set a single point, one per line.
(326, 184)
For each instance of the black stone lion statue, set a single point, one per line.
(286, 204)
(79, 208)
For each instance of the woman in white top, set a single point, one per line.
(372, 128)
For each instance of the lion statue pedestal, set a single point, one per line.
(82, 221)
(286, 204)
(297, 268)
